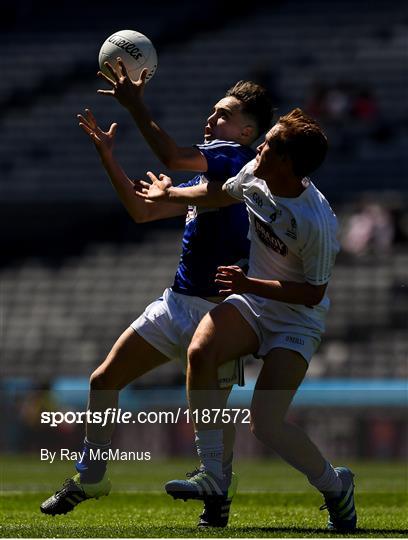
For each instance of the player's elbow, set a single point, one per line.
(315, 294)
(141, 216)
(140, 219)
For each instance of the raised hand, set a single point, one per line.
(123, 88)
(157, 190)
(232, 280)
(103, 140)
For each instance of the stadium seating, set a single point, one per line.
(62, 321)
(44, 156)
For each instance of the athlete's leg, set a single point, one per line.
(130, 358)
(228, 433)
(222, 335)
(280, 377)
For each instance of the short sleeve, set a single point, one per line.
(193, 182)
(235, 186)
(224, 159)
(320, 250)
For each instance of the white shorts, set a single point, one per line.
(169, 323)
(277, 325)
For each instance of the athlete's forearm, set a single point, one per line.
(287, 291)
(137, 208)
(208, 194)
(159, 141)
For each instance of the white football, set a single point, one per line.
(135, 49)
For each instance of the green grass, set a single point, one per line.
(273, 501)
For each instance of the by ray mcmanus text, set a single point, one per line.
(65, 454)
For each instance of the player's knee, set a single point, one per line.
(200, 356)
(100, 380)
(195, 356)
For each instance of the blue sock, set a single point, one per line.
(92, 467)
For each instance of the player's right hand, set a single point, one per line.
(157, 191)
(231, 280)
(123, 88)
(103, 140)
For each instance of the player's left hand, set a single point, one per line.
(156, 191)
(103, 140)
(123, 88)
(232, 280)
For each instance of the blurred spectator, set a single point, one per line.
(364, 106)
(316, 103)
(337, 104)
(382, 439)
(371, 230)
(330, 104)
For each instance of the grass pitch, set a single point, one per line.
(273, 501)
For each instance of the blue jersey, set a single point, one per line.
(213, 236)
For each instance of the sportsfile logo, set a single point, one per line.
(118, 416)
(269, 238)
(127, 46)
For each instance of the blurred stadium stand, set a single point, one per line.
(63, 320)
(290, 47)
(76, 271)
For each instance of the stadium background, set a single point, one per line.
(76, 270)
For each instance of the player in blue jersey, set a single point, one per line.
(211, 238)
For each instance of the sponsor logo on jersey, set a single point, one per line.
(257, 199)
(268, 237)
(274, 216)
(292, 230)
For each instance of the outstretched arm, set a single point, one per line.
(129, 93)
(140, 210)
(207, 194)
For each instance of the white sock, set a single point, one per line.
(329, 483)
(210, 450)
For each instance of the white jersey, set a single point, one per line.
(292, 239)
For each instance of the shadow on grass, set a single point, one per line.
(382, 531)
(283, 532)
(317, 531)
(191, 532)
